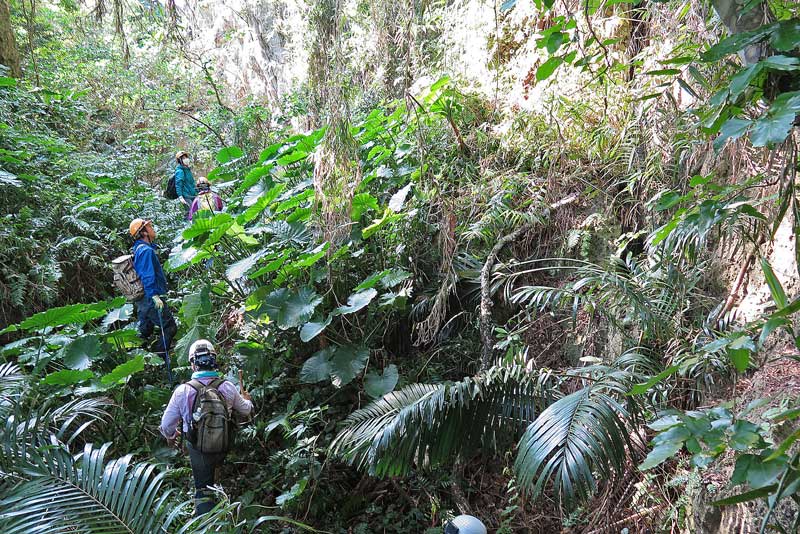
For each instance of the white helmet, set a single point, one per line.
(203, 350)
(465, 524)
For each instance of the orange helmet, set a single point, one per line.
(137, 225)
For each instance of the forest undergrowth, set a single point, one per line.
(556, 318)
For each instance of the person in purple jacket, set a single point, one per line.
(206, 199)
(203, 359)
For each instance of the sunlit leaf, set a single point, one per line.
(123, 371)
(394, 276)
(121, 314)
(312, 329)
(775, 287)
(357, 301)
(71, 314)
(79, 353)
(238, 269)
(372, 280)
(68, 377)
(547, 68)
(362, 203)
(228, 154)
(399, 198)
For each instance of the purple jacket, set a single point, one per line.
(180, 405)
(205, 201)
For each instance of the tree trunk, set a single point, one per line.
(9, 54)
(729, 12)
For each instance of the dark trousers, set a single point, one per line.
(148, 320)
(203, 468)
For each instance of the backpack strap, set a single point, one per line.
(195, 385)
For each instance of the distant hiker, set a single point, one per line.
(206, 199)
(184, 180)
(150, 308)
(206, 406)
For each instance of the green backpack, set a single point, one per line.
(210, 427)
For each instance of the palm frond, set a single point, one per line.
(59, 493)
(621, 290)
(427, 424)
(12, 381)
(23, 430)
(69, 420)
(576, 438)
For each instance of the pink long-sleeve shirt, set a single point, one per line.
(180, 405)
(208, 201)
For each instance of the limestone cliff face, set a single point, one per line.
(254, 47)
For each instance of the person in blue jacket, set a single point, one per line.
(184, 180)
(151, 309)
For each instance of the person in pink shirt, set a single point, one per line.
(206, 199)
(178, 419)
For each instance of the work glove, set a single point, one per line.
(183, 201)
(157, 302)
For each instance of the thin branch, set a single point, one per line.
(606, 53)
(175, 110)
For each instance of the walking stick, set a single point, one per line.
(164, 344)
(241, 383)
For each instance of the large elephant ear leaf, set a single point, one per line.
(379, 384)
(340, 364)
(291, 308)
(576, 437)
(79, 353)
(356, 301)
(347, 362)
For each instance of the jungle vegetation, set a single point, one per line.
(441, 303)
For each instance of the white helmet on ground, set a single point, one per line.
(465, 524)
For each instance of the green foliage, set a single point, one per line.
(290, 309)
(766, 468)
(379, 384)
(118, 494)
(339, 364)
(305, 307)
(575, 437)
(428, 424)
(124, 370)
(78, 354)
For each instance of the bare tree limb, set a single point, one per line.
(485, 316)
(208, 127)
